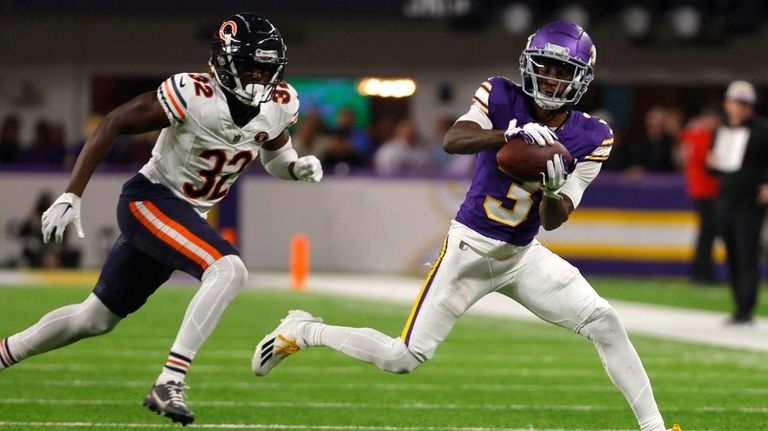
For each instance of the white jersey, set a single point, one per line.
(203, 151)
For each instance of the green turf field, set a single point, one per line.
(674, 292)
(489, 375)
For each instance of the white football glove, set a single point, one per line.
(536, 133)
(65, 210)
(308, 168)
(555, 177)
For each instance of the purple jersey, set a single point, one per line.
(499, 206)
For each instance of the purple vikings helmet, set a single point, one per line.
(566, 43)
(246, 42)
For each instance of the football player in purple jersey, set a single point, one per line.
(491, 244)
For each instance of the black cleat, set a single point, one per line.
(168, 400)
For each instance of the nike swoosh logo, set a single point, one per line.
(159, 402)
(69, 207)
(181, 82)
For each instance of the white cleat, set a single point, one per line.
(280, 343)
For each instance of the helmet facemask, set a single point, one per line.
(568, 91)
(252, 80)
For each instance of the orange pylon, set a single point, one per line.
(299, 261)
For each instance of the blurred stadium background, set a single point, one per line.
(67, 63)
(368, 73)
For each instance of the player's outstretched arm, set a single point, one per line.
(281, 161)
(140, 115)
(468, 137)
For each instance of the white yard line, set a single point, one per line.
(756, 360)
(408, 387)
(274, 427)
(381, 406)
(542, 372)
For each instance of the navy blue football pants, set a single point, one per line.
(159, 234)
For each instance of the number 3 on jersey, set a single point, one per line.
(495, 210)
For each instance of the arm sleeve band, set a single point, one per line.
(279, 163)
(478, 116)
(581, 177)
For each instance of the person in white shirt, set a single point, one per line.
(403, 154)
(739, 156)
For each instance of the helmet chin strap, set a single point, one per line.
(258, 91)
(548, 105)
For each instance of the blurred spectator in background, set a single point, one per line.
(652, 152)
(404, 153)
(449, 164)
(382, 128)
(674, 123)
(137, 149)
(88, 129)
(309, 136)
(10, 143)
(435, 142)
(341, 155)
(701, 187)
(361, 142)
(617, 161)
(47, 147)
(34, 252)
(740, 158)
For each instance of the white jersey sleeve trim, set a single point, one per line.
(476, 115)
(172, 100)
(579, 180)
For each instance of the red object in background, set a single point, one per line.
(230, 234)
(700, 184)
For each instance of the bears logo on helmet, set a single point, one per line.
(227, 35)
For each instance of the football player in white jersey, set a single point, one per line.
(213, 126)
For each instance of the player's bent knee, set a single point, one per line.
(94, 328)
(232, 267)
(96, 318)
(239, 271)
(605, 327)
(402, 360)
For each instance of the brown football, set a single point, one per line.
(525, 162)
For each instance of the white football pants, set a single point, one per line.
(471, 266)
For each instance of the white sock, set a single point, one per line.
(6, 357)
(175, 368)
(220, 283)
(59, 328)
(365, 344)
(625, 369)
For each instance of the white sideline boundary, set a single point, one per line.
(673, 323)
